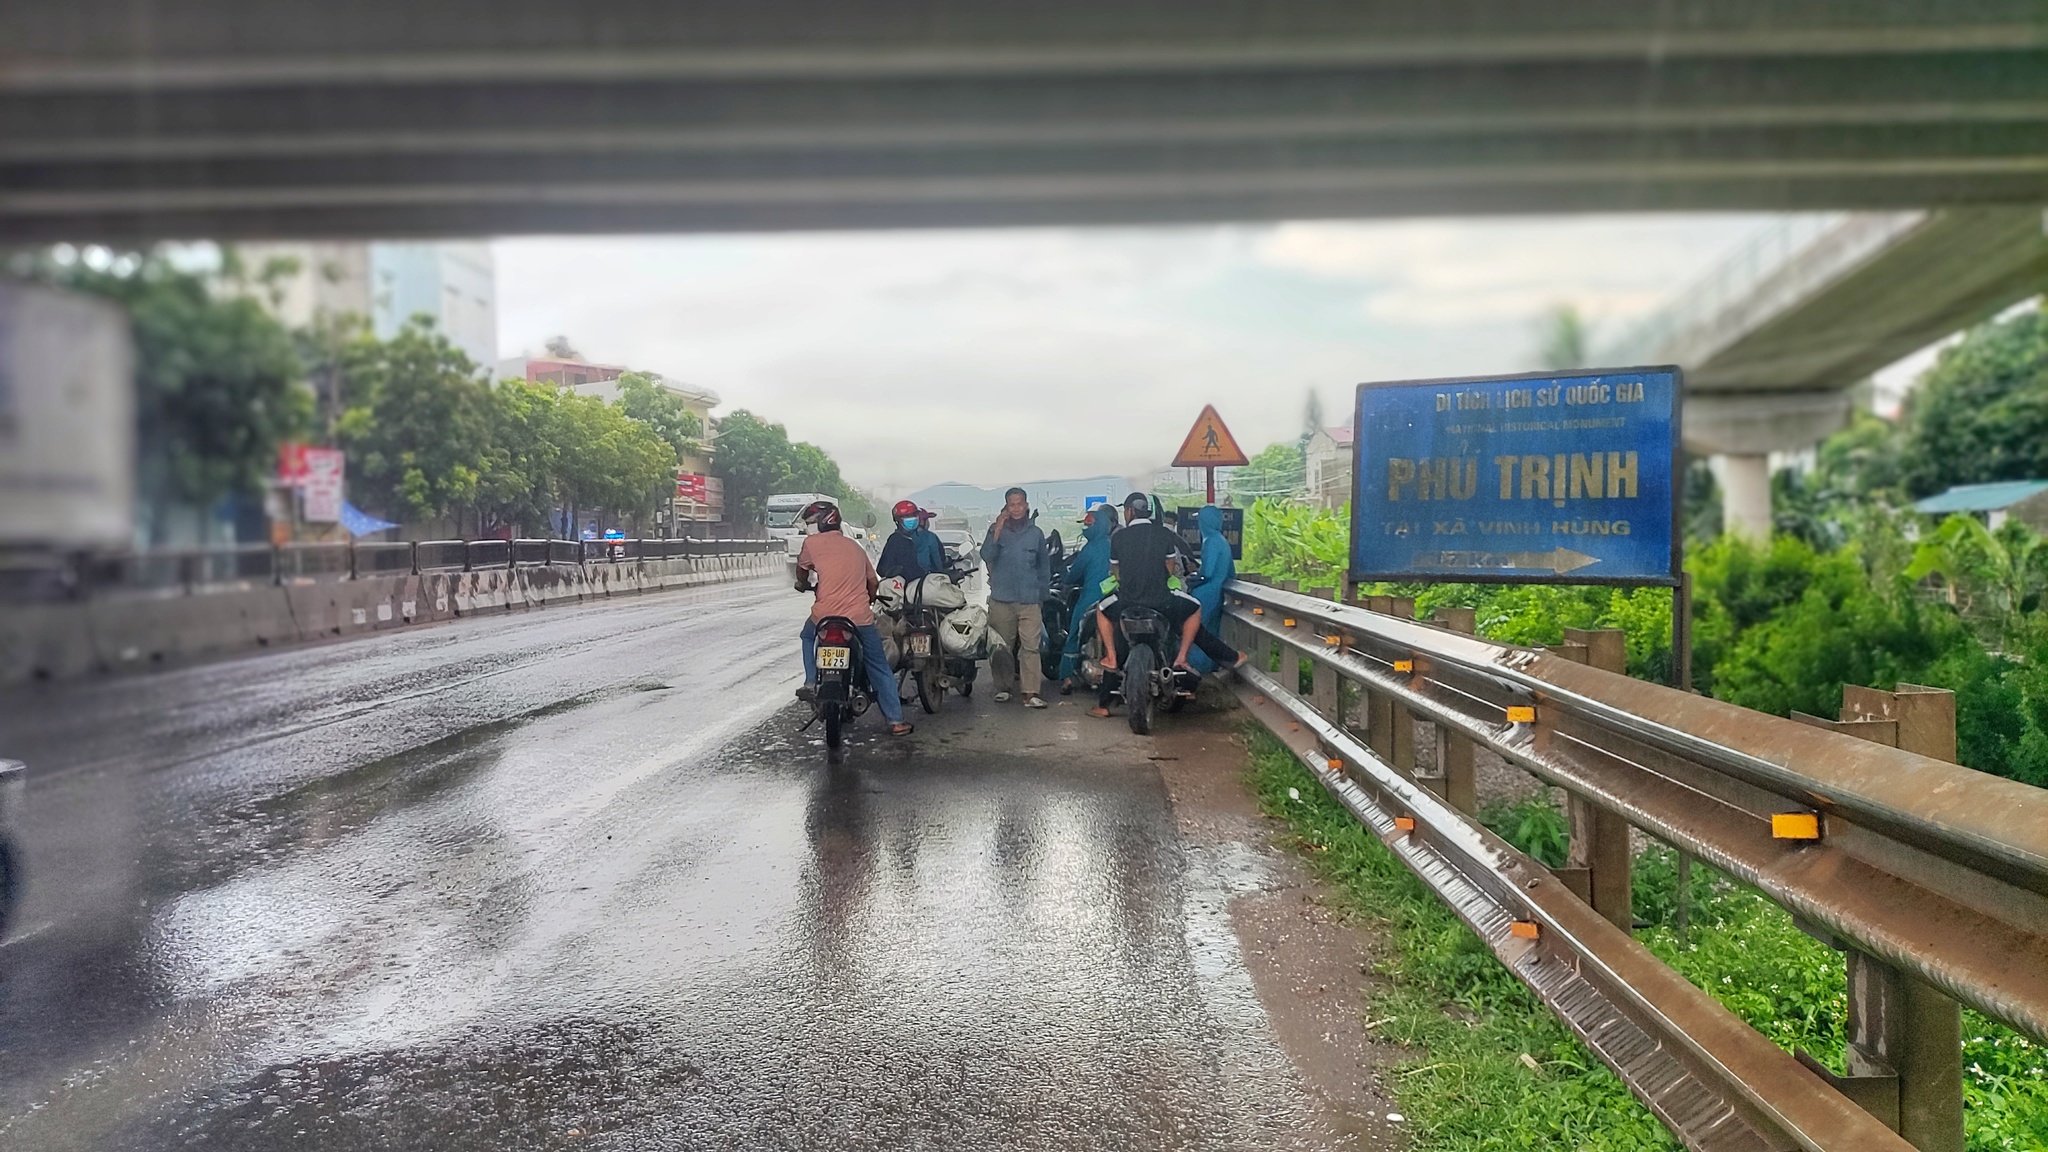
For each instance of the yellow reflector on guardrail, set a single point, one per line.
(1795, 826)
(1405, 823)
(1404, 665)
(1524, 929)
(1521, 714)
(1333, 641)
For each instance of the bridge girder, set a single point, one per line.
(133, 119)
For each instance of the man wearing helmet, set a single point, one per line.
(837, 571)
(913, 551)
(1143, 560)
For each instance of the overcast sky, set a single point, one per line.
(1008, 355)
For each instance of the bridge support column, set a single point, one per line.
(1741, 430)
(1745, 495)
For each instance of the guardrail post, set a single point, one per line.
(1379, 708)
(1327, 693)
(1398, 715)
(1904, 1056)
(1454, 753)
(1597, 860)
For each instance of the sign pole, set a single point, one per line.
(1212, 484)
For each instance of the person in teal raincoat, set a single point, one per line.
(1086, 572)
(1218, 569)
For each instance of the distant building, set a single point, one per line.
(1327, 464)
(387, 284)
(454, 284)
(2022, 500)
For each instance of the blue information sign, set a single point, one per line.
(1565, 479)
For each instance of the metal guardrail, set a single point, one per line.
(1935, 872)
(46, 577)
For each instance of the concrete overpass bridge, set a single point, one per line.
(138, 119)
(1774, 336)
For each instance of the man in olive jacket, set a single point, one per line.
(1018, 574)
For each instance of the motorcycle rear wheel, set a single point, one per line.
(1138, 689)
(835, 734)
(928, 695)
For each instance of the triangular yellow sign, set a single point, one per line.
(1209, 444)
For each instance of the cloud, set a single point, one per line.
(990, 356)
(1444, 274)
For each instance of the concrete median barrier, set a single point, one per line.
(146, 628)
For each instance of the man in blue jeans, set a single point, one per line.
(837, 570)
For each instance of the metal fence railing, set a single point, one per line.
(44, 577)
(1932, 878)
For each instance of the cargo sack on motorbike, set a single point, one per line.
(961, 632)
(889, 596)
(936, 591)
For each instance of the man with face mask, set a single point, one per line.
(913, 551)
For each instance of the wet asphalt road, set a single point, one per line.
(573, 879)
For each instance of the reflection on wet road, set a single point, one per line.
(575, 879)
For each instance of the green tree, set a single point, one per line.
(754, 458)
(642, 399)
(217, 381)
(1981, 413)
(1994, 578)
(1564, 339)
(608, 462)
(758, 459)
(520, 486)
(1279, 471)
(417, 424)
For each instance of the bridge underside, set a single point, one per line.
(1955, 268)
(133, 119)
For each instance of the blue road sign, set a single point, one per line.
(1518, 479)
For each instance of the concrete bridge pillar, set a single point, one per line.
(1745, 480)
(1741, 430)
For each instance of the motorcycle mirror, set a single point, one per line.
(869, 520)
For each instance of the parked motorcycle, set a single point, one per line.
(843, 692)
(1056, 609)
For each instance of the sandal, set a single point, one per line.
(902, 729)
(1102, 712)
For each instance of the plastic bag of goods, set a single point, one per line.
(936, 591)
(961, 631)
(889, 596)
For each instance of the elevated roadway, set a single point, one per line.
(135, 119)
(1773, 338)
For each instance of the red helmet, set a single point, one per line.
(904, 509)
(822, 513)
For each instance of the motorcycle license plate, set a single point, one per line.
(921, 644)
(835, 657)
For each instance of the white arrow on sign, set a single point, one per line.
(1557, 560)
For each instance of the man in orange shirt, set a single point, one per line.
(839, 572)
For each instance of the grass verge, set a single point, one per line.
(1495, 1070)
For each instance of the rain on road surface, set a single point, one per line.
(573, 878)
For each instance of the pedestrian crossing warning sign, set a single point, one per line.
(1209, 444)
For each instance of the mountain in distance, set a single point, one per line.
(1056, 500)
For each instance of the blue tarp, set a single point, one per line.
(361, 523)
